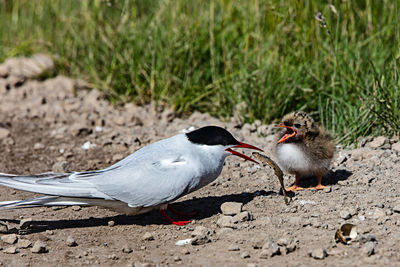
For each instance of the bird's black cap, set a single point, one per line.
(212, 135)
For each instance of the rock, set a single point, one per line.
(269, 250)
(328, 189)
(200, 240)
(395, 147)
(231, 208)
(79, 129)
(244, 216)
(3, 228)
(378, 213)
(177, 258)
(227, 221)
(199, 231)
(60, 167)
(76, 208)
(38, 146)
(233, 247)
(4, 133)
(127, 249)
(368, 248)
(364, 238)
(245, 255)
(71, 242)
(9, 239)
(396, 208)
(24, 243)
(258, 240)
(111, 223)
(318, 253)
(148, 236)
(3, 71)
(378, 142)
(11, 250)
(283, 242)
(39, 247)
(25, 223)
(344, 214)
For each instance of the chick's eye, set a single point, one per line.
(297, 125)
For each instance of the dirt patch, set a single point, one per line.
(57, 125)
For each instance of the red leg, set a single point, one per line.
(179, 223)
(181, 214)
(295, 187)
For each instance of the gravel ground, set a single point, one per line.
(57, 124)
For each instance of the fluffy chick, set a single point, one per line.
(303, 148)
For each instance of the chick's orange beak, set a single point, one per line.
(290, 132)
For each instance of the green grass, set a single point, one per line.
(264, 58)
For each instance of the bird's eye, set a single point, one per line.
(297, 125)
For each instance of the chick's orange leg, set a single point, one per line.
(295, 187)
(319, 185)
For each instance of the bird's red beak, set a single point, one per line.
(290, 132)
(243, 145)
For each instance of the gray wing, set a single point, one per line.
(153, 175)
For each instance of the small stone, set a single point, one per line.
(177, 258)
(365, 238)
(76, 208)
(11, 250)
(378, 142)
(199, 231)
(318, 253)
(231, 208)
(200, 240)
(38, 146)
(148, 236)
(378, 213)
(283, 242)
(111, 223)
(113, 257)
(233, 247)
(245, 255)
(60, 167)
(344, 214)
(9, 239)
(396, 147)
(269, 250)
(244, 216)
(328, 189)
(258, 241)
(368, 248)
(127, 250)
(71, 242)
(185, 251)
(227, 221)
(39, 247)
(3, 71)
(396, 208)
(3, 228)
(4, 133)
(25, 223)
(24, 243)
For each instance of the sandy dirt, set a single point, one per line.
(45, 123)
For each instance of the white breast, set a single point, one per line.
(293, 159)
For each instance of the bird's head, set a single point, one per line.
(220, 138)
(299, 125)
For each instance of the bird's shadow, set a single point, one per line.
(205, 208)
(332, 178)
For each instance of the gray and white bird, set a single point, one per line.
(148, 179)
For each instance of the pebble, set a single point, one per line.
(244, 216)
(258, 240)
(368, 248)
(25, 223)
(344, 214)
(328, 189)
(231, 208)
(396, 208)
(38, 146)
(4, 133)
(9, 239)
(199, 231)
(76, 208)
(127, 250)
(39, 247)
(227, 221)
(111, 223)
(200, 240)
(71, 242)
(24, 243)
(269, 250)
(377, 142)
(233, 247)
(11, 250)
(148, 236)
(396, 147)
(60, 167)
(245, 255)
(318, 253)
